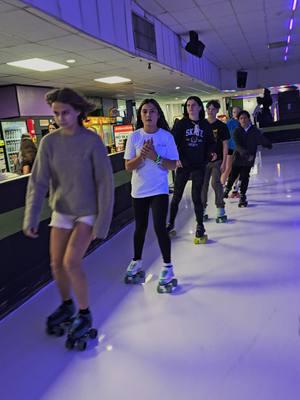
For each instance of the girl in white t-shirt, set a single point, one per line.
(150, 152)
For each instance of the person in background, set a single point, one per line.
(27, 153)
(247, 137)
(215, 168)
(232, 124)
(52, 127)
(195, 142)
(150, 152)
(73, 162)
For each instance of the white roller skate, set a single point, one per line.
(221, 216)
(135, 273)
(167, 281)
(79, 331)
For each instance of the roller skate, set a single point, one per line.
(171, 229)
(200, 235)
(134, 273)
(221, 216)
(79, 331)
(243, 201)
(167, 281)
(58, 321)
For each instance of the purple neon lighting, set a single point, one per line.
(294, 5)
(285, 58)
(291, 23)
(286, 49)
(289, 39)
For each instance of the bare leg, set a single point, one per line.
(58, 243)
(79, 241)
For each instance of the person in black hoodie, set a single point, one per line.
(195, 142)
(247, 137)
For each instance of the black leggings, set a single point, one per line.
(244, 173)
(182, 176)
(159, 205)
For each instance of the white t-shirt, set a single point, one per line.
(150, 179)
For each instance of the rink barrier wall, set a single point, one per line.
(24, 263)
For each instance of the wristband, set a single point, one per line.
(158, 160)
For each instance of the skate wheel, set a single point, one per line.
(174, 282)
(93, 333)
(81, 344)
(70, 343)
(196, 241)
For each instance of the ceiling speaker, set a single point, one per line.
(195, 46)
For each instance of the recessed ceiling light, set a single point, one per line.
(177, 87)
(38, 64)
(71, 61)
(113, 79)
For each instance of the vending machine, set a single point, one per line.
(121, 133)
(11, 133)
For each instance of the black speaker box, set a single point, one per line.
(241, 79)
(195, 46)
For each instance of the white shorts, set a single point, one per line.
(65, 221)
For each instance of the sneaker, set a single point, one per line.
(134, 267)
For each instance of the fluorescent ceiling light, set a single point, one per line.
(113, 79)
(177, 87)
(38, 64)
(71, 61)
(294, 5)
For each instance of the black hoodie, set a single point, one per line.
(195, 142)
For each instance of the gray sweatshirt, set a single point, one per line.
(76, 169)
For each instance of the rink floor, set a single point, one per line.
(230, 331)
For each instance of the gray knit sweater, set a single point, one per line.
(76, 169)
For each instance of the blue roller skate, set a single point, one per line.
(221, 216)
(58, 321)
(167, 281)
(135, 273)
(79, 331)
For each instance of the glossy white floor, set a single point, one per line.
(231, 331)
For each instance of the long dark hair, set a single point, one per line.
(74, 99)
(197, 100)
(161, 122)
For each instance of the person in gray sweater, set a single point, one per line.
(72, 162)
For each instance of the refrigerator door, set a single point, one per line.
(11, 133)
